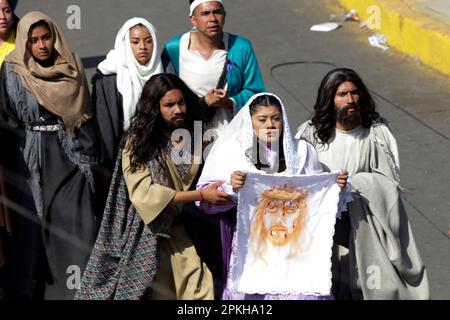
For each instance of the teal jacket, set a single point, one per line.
(243, 77)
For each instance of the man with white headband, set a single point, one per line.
(222, 69)
(218, 66)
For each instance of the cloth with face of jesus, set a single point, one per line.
(284, 238)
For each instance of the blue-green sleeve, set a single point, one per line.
(252, 81)
(171, 55)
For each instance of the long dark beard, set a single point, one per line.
(353, 119)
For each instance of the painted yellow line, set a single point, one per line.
(407, 30)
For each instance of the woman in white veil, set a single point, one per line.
(120, 78)
(257, 139)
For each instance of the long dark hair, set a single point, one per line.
(15, 21)
(262, 101)
(144, 135)
(324, 119)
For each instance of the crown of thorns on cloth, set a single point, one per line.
(286, 192)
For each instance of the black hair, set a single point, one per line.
(324, 118)
(40, 23)
(144, 135)
(261, 102)
(13, 4)
(15, 20)
(264, 101)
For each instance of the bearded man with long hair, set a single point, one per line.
(374, 238)
(143, 250)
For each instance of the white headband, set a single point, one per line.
(196, 3)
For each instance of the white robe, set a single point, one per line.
(384, 261)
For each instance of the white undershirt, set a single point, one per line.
(344, 151)
(199, 74)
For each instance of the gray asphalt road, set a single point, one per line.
(293, 60)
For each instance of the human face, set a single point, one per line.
(267, 124)
(173, 109)
(40, 44)
(141, 44)
(281, 220)
(209, 18)
(6, 17)
(346, 105)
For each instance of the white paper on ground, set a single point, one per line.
(378, 41)
(325, 27)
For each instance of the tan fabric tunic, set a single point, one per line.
(181, 274)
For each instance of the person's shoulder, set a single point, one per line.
(307, 123)
(239, 38)
(306, 126)
(241, 41)
(100, 77)
(174, 41)
(7, 70)
(8, 65)
(239, 44)
(5, 66)
(383, 134)
(380, 126)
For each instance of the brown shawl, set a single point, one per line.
(62, 88)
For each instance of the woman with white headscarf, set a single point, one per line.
(258, 139)
(118, 83)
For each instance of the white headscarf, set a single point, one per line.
(230, 151)
(131, 75)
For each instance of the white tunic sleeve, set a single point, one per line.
(309, 162)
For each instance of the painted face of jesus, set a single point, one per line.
(281, 219)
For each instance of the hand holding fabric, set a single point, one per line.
(238, 180)
(342, 179)
(212, 195)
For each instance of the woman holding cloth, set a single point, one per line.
(258, 140)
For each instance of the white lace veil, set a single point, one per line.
(231, 150)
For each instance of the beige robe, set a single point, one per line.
(181, 274)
